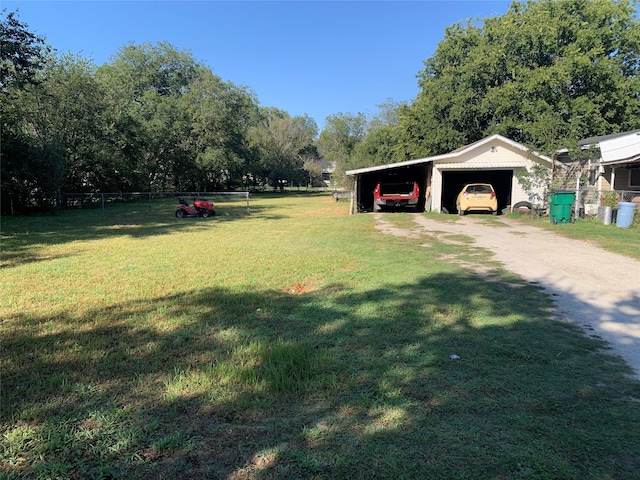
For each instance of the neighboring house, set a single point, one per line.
(494, 159)
(612, 165)
(327, 172)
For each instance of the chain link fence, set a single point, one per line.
(589, 199)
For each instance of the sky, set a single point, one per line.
(315, 58)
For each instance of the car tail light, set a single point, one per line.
(493, 194)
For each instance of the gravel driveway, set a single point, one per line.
(592, 288)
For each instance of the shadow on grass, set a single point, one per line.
(176, 387)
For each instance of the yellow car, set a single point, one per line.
(477, 197)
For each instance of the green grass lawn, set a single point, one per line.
(294, 341)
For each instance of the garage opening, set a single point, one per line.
(367, 183)
(454, 180)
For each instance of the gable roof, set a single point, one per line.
(455, 154)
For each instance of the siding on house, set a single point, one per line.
(496, 155)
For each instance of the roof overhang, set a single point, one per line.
(620, 162)
(389, 166)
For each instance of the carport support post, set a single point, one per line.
(353, 195)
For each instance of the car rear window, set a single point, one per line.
(479, 189)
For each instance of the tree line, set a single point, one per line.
(546, 74)
(152, 119)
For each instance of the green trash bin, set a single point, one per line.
(561, 207)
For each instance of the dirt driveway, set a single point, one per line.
(592, 288)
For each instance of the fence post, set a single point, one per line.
(576, 206)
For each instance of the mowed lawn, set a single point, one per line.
(294, 341)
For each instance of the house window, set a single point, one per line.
(634, 177)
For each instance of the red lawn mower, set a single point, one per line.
(201, 208)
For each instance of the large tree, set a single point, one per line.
(546, 74)
(186, 128)
(23, 55)
(147, 82)
(222, 115)
(284, 144)
(66, 113)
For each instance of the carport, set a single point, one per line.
(367, 179)
(495, 159)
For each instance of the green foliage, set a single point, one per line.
(537, 178)
(284, 146)
(222, 115)
(376, 148)
(22, 53)
(609, 199)
(544, 74)
(338, 140)
(152, 85)
(352, 141)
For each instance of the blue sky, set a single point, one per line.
(306, 57)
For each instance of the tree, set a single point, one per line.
(380, 144)
(22, 57)
(338, 140)
(146, 84)
(222, 115)
(284, 144)
(185, 127)
(66, 112)
(22, 53)
(545, 74)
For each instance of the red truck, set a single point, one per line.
(395, 195)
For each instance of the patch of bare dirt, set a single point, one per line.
(300, 288)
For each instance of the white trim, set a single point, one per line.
(618, 162)
(481, 166)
